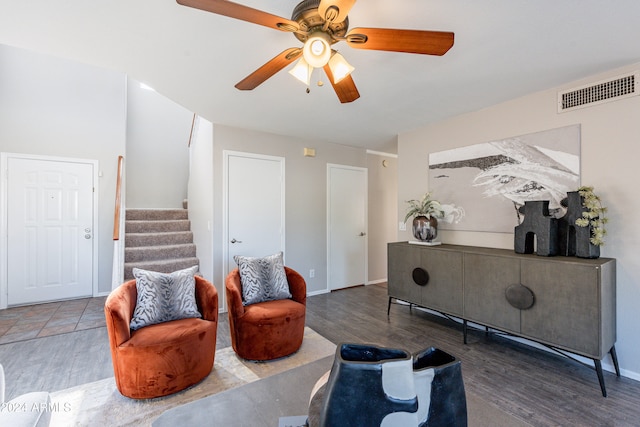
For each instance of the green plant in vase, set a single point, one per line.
(593, 216)
(425, 213)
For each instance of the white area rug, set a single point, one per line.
(100, 404)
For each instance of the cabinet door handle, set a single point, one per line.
(520, 297)
(420, 276)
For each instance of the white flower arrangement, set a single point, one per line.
(594, 216)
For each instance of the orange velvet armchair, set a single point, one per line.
(266, 330)
(164, 358)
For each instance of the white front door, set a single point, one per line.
(346, 226)
(254, 195)
(50, 229)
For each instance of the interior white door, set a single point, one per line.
(255, 214)
(346, 226)
(50, 230)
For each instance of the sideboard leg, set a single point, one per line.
(614, 358)
(389, 307)
(600, 376)
(464, 330)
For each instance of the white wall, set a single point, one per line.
(305, 209)
(55, 107)
(609, 134)
(383, 215)
(157, 149)
(200, 196)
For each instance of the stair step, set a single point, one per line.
(162, 252)
(156, 239)
(156, 214)
(163, 266)
(139, 226)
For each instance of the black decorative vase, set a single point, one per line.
(373, 386)
(574, 240)
(425, 229)
(367, 384)
(440, 389)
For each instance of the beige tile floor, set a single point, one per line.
(41, 320)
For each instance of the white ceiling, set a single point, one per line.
(503, 49)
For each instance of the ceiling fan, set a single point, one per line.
(319, 24)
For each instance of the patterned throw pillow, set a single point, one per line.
(164, 297)
(262, 279)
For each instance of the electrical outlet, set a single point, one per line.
(403, 226)
(312, 273)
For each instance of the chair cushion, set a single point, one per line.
(269, 330)
(273, 312)
(262, 279)
(164, 358)
(164, 297)
(163, 334)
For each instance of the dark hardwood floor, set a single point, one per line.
(541, 388)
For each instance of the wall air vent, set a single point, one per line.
(599, 92)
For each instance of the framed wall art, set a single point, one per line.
(484, 185)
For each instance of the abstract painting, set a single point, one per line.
(482, 186)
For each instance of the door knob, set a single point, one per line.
(362, 233)
(235, 241)
(87, 236)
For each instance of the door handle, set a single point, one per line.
(362, 233)
(235, 241)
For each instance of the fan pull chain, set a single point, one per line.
(320, 83)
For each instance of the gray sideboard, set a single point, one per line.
(565, 303)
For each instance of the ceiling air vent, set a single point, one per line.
(599, 92)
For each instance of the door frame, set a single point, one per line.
(4, 220)
(364, 170)
(226, 154)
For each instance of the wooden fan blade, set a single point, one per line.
(345, 88)
(409, 41)
(342, 8)
(276, 64)
(244, 13)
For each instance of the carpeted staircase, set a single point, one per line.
(159, 240)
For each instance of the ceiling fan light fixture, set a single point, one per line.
(317, 49)
(340, 68)
(302, 71)
(318, 24)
